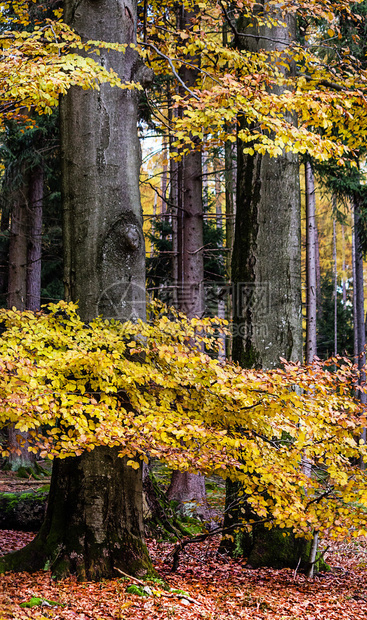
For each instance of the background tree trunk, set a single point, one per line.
(335, 294)
(94, 518)
(359, 309)
(187, 489)
(19, 456)
(311, 284)
(34, 254)
(18, 247)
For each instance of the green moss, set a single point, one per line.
(36, 602)
(157, 581)
(277, 548)
(11, 500)
(138, 590)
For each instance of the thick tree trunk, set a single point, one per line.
(266, 261)
(94, 518)
(266, 271)
(93, 521)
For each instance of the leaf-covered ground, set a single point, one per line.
(217, 589)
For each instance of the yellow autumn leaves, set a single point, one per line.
(149, 389)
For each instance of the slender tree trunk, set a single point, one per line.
(174, 205)
(164, 176)
(335, 290)
(359, 286)
(205, 177)
(18, 249)
(185, 488)
(230, 182)
(311, 286)
(359, 309)
(17, 297)
(94, 517)
(230, 189)
(230, 155)
(190, 217)
(4, 248)
(344, 281)
(153, 226)
(35, 202)
(318, 274)
(355, 323)
(311, 314)
(218, 195)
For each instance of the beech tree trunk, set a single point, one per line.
(94, 518)
(266, 270)
(266, 262)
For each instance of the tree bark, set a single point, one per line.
(18, 248)
(266, 272)
(185, 488)
(92, 523)
(311, 285)
(94, 518)
(359, 310)
(335, 270)
(190, 212)
(17, 294)
(230, 192)
(4, 246)
(266, 263)
(34, 253)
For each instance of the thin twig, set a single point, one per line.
(141, 583)
(173, 69)
(296, 569)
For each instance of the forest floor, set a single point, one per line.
(211, 587)
(218, 589)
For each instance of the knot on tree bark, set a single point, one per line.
(132, 237)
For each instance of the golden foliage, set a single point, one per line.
(149, 389)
